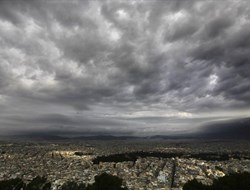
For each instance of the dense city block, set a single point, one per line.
(154, 164)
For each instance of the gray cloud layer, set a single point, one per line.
(111, 65)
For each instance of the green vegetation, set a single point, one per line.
(194, 185)
(71, 185)
(237, 181)
(102, 182)
(12, 184)
(234, 181)
(38, 183)
(133, 156)
(107, 182)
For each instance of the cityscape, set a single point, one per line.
(124, 95)
(158, 164)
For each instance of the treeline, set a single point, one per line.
(236, 181)
(133, 156)
(17, 184)
(102, 182)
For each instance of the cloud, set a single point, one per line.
(76, 57)
(226, 129)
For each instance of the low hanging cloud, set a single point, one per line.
(108, 60)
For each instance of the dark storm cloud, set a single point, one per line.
(230, 129)
(62, 124)
(120, 58)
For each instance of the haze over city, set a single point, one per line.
(125, 68)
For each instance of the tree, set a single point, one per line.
(229, 182)
(232, 182)
(107, 182)
(194, 185)
(12, 184)
(39, 183)
(71, 185)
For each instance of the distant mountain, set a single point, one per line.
(48, 137)
(35, 137)
(105, 137)
(45, 137)
(171, 137)
(230, 129)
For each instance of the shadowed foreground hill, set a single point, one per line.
(38, 183)
(102, 182)
(236, 181)
(230, 182)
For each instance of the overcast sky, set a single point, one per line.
(122, 67)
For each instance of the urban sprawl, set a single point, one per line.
(82, 161)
